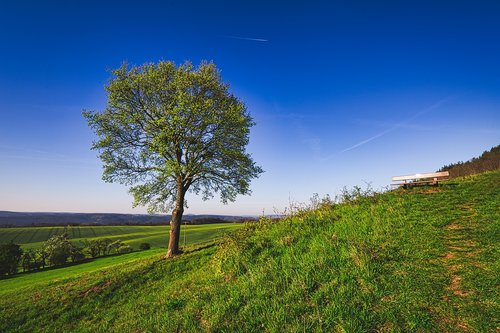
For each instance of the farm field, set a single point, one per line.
(157, 236)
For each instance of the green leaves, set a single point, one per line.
(166, 125)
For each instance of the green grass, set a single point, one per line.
(422, 260)
(56, 275)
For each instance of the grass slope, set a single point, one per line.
(422, 260)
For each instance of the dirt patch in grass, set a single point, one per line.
(455, 286)
(460, 253)
(467, 206)
(469, 243)
(458, 324)
(36, 296)
(431, 190)
(461, 256)
(386, 327)
(449, 256)
(453, 226)
(96, 289)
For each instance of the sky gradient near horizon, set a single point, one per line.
(343, 93)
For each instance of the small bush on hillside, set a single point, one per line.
(298, 208)
(145, 246)
(352, 196)
(321, 203)
(10, 255)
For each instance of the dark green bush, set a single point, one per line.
(76, 253)
(145, 246)
(10, 255)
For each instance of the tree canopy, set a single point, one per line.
(170, 129)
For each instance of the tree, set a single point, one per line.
(76, 253)
(42, 256)
(28, 260)
(58, 249)
(10, 255)
(104, 245)
(169, 129)
(92, 247)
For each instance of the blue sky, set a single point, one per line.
(343, 92)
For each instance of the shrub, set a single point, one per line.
(145, 246)
(10, 255)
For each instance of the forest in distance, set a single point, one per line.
(19, 219)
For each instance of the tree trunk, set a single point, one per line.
(175, 222)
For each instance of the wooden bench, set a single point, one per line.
(420, 179)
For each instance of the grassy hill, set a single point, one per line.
(424, 260)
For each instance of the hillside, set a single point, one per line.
(424, 260)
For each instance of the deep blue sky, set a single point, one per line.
(343, 92)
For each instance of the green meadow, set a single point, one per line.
(418, 260)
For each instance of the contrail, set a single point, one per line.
(248, 38)
(371, 139)
(398, 125)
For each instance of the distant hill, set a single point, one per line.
(45, 219)
(488, 161)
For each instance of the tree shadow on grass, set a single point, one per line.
(193, 249)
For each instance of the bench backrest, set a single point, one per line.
(422, 176)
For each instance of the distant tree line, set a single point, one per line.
(56, 251)
(198, 220)
(488, 161)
